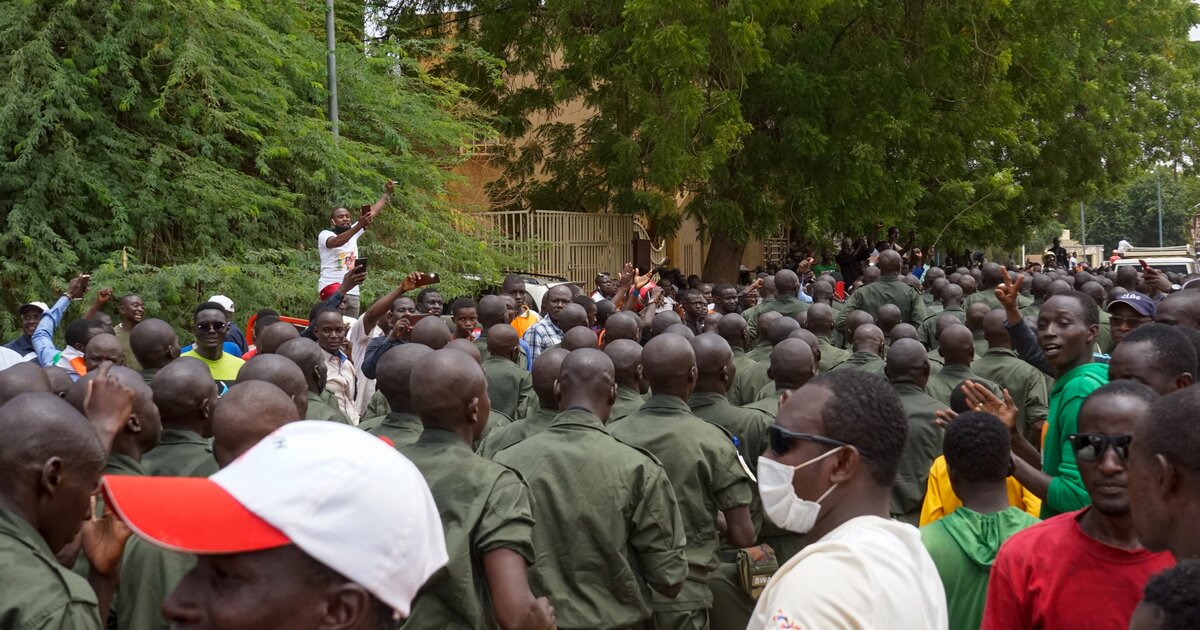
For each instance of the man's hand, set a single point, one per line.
(943, 417)
(1008, 293)
(107, 404)
(1156, 280)
(756, 285)
(104, 296)
(982, 399)
(104, 541)
(400, 328)
(78, 286)
(804, 266)
(353, 278)
(641, 281)
(389, 187)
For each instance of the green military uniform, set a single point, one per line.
(831, 355)
(323, 407)
(509, 387)
(749, 426)
(927, 331)
(517, 431)
(149, 573)
(496, 420)
(703, 467)
(741, 391)
(933, 309)
(35, 590)
(484, 507)
(988, 296)
(981, 344)
(628, 401)
(122, 336)
(148, 375)
(924, 444)
(942, 384)
(886, 290)
(481, 344)
(769, 404)
(761, 353)
(1024, 383)
(180, 453)
(1104, 338)
(377, 407)
(609, 523)
(1034, 308)
(787, 305)
(865, 361)
(401, 427)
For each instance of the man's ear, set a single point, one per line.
(345, 606)
(692, 373)
(1183, 381)
(473, 409)
(558, 391)
(51, 475)
(845, 465)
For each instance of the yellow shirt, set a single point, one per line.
(523, 321)
(940, 499)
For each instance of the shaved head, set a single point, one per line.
(781, 329)
(578, 338)
(792, 364)
(310, 358)
(662, 321)
(733, 328)
(820, 319)
(681, 330)
(765, 320)
(246, 414)
(491, 311)
(280, 372)
(714, 359)
(889, 315)
(23, 378)
(787, 282)
(52, 459)
(856, 319)
(868, 338)
(889, 262)
(902, 330)
(466, 347)
(626, 357)
(975, 314)
(546, 370)
(432, 332)
(908, 362)
(154, 343)
(622, 325)
(103, 347)
(587, 381)
(502, 340)
(571, 316)
(957, 345)
(450, 392)
(952, 295)
(670, 365)
(60, 380)
(995, 331)
(1181, 308)
(273, 336)
(186, 394)
(394, 373)
(143, 428)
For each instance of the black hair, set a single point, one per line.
(383, 617)
(721, 287)
(864, 410)
(1091, 310)
(1171, 430)
(461, 303)
(586, 302)
(210, 306)
(1171, 349)
(1175, 592)
(958, 399)
(604, 309)
(323, 309)
(426, 291)
(978, 448)
(81, 331)
(265, 317)
(1193, 337)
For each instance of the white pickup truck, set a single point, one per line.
(1180, 260)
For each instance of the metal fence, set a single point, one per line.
(574, 245)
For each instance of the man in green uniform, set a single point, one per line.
(780, 329)
(131, 309)
(975, 314)
(280, 372)
(820, 323)
(963, 544)
(545, 373)
(715, 371)
(626, 356)
(1038, 288)
(154, 344)
(868, 351)
(401, 426)
(761, 350)
(792, 365)
(247, 413)
(786, 303)
(952, 304)
(702, 464)
(622, 325)
(933, 297)
(854, 319)
(509, 387)
(53, 459)
(1024, 383)
(749, 374)
(957, 346)
(484, 507)
(306, 354)
(141, 431)
(992, 275)
(908, 371)
(184, 393)
(493, 309)
(609, 527)
(889, 289)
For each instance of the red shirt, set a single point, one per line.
(1053, 575)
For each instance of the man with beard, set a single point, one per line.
(338, 248)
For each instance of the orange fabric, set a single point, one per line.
(79, 366)
(524, 321)
(940, 499)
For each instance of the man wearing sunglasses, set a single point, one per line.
(1090, 559)
(828, 471)
(210, 323)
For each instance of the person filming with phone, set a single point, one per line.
(338, 247)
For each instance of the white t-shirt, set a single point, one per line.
(870, 572)
(9, 358)
(337, 261)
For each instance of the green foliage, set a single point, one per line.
(194, 134)
(987, 117)
(1131, 212)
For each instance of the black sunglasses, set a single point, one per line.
(211, 327)
(1090, 447)
(781, 439)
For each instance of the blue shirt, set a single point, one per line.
(43, 339)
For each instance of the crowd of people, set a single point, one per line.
(880, 443)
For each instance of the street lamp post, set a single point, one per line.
(331, 61)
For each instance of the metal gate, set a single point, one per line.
(574, 245)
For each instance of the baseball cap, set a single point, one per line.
(1140, 302)
(225, 302)
(40, 305)
(328, 291)
(341, 495)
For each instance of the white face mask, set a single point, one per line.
(779, 498)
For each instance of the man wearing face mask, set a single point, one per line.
(828, 471)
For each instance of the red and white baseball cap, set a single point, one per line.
(341, 495)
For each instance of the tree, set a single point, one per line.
(1131, 212)
(183, 145)
(970, 121)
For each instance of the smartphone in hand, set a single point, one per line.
(360, 264)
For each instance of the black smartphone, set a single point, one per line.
(360, 264)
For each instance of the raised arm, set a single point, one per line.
(383, 305)
(102, 298)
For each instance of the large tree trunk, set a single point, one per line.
(723, 259)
